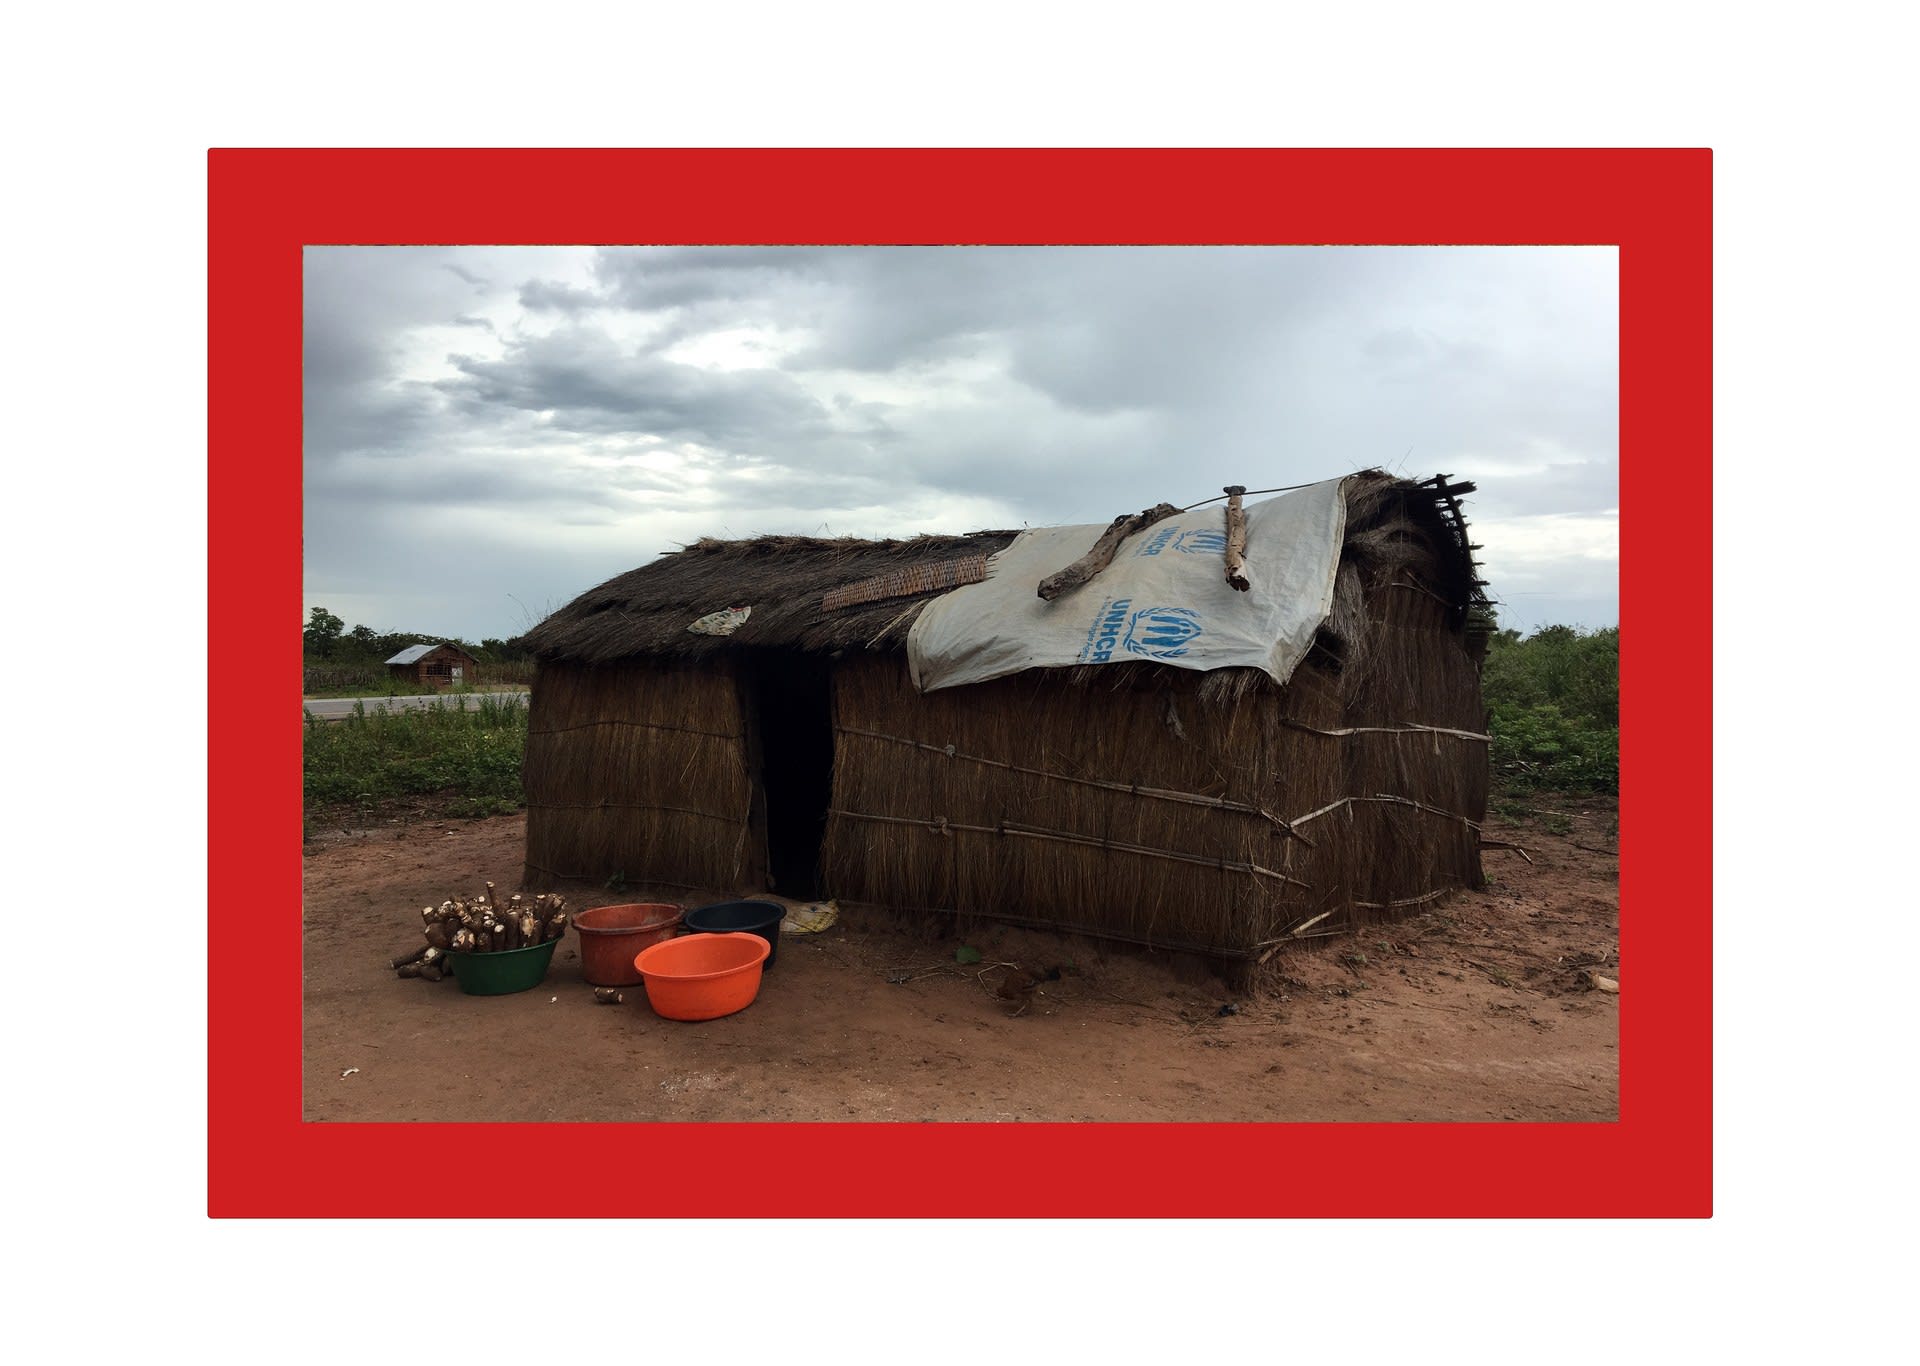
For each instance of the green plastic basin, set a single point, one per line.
(502, 974)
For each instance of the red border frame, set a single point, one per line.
(1655, 205)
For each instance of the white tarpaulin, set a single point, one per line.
(1164, 599)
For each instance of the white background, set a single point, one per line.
(109, 115)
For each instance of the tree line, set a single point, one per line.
(327, 638)
(1553, 703)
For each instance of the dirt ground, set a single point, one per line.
(1480, 1010)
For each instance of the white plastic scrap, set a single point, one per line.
(723, 623)
(810, 917)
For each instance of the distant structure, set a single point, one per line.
(435, 666)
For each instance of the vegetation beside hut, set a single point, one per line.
(461, 758)
(1553, 700)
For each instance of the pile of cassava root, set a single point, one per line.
(482, 925)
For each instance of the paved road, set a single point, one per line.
(337, 708)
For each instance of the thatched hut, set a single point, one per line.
(1219, 812)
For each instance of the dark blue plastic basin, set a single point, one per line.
(740, 917)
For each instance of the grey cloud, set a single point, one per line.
(357, 306)
(589, 383)
(1003, 384)
(648, 278)
(547, 296)
(487, 480)
(394, 420)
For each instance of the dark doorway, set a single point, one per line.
(790, 698)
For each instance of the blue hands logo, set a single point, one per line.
(1162, 632)
(1202, 541)
(1199, 540)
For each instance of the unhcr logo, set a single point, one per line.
(1159, 541)
(1193, 541)
(1108, 626)
(1162, 632)
(1202, 541)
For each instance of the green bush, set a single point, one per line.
(1554, 704)
(466, 750)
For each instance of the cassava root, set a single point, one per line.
(481, 924)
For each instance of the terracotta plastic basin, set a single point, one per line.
(611, 937)
(702, 976)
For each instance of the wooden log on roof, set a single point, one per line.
(1098, 558)
(1236, 539)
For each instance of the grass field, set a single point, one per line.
(324, 678)
(462, 758)
(390, 688)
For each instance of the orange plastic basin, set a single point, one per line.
(611, 937)
(703, 976)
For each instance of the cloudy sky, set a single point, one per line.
(491, 430)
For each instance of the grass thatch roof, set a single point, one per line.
(646, 611)
(1393, 525)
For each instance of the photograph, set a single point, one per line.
(1033, 662)
(942, 683)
